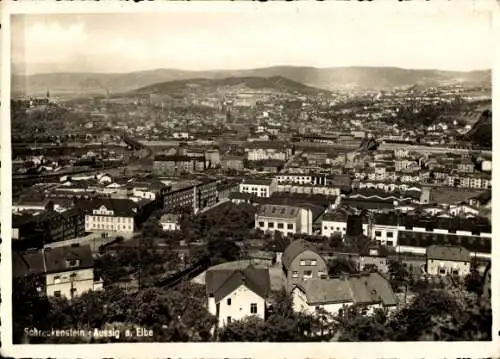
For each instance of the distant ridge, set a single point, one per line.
(274, 83)
(324, 78)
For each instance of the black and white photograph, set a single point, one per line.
(250, 174)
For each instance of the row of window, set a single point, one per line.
(279, 225)
(308, 262)
(57, 278)
(73, 292)
(112, 219)
(111, 227)
(307, 274)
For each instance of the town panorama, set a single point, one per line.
(276, 204)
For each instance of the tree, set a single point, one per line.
(364, 328)
(370, 268)
(399, 275)
(414, 321)
(341, 265)
(474, 282)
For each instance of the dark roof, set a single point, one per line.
(451, 195)
(339, 215)
(257, 181)
(268, 144)
(56, 259)
(365, 288)
(448, 253)
(277, 211)
(24, 264)
(221, 282)
(121, 207)
(368, 203)
(294, 249)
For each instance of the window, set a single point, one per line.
(390, 243)
(57, 279)
(228, 320)
(295, 274)
(73, 263)
(289, 226)
(313, 262)
(73, 275)
(378, 234)
(442, 271)
(302, 262)
(253, 308)
(455, 272)
(390, 235)
(57, 293)
(261, 224)
(322, 275)
(307, 274)
(280, 225)
(228, 301)
(270, 225)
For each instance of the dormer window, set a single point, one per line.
(73, 263)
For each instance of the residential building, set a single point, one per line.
(258, 187)
(284, 219)
(448, 260)
(334, 295)
(301, 262)
(268, 150)
(234, 294)
(177, 165)
(109, 215)
(170, 222)
(67, 271)
(193, 195)
(374, 257)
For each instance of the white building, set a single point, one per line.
(448, 260)
(110, 215)
(234, 294)
(258, 187)
(170, 222)
(284, 219)
(334, 295)
(68, 270)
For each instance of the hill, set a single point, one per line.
(481, 133)
(277, 84)
(325, 78)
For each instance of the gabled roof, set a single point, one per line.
(294, 249)
(120, 206)
(363, 288)
(448, 253)
(222, 282)
(56, 259)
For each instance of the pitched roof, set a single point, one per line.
(56, 259)
(448, 253)
(221, 282)
(277, 211)
(120, 206)
(358, 289)
(294, 249)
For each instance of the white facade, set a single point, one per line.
(300, 304)
(385, 234)
(71, 283)
(446, 267)
(259, 190)
(302, 223)
(260, 154)
(143, 193)
(170, 226)
(329, 228)
(103, 219)
(237, 305)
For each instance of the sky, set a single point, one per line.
(250, 39)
